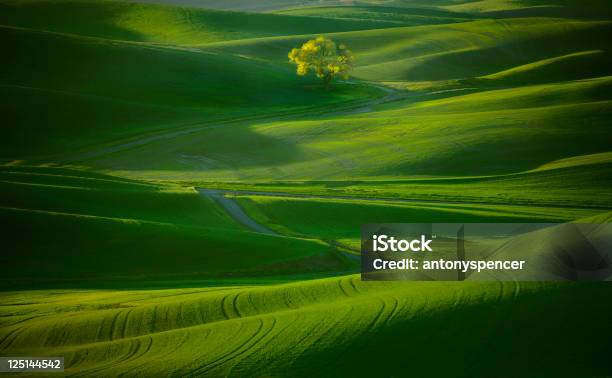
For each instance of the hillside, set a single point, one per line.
(505, 127)
(163, 23)
(439, 52)
(122, 89)
(98, 230)
(334, 323)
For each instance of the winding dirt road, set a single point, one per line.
(235, 211)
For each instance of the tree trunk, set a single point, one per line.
(327, 80)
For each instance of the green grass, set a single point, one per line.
(562, 68)
(560, 184)
(119, 90)
(165, 24)
(507, 8)
(341, 219)
(66, 227)
(400, 16)
(506, 128)
(519, 72)
(330, 324)
(440, 52)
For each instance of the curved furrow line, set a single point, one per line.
(132, 350)
(99, 329)
(235, 304)
(132, 347)
(14, 333)
(272, 335)
(203, 369)
(124, 324)
(112, 325)
(230, 310)
(379, 315)
(346, 294)
(251, 348)
(263, 345)
(407, 308)
(318, 330)
(140, 349)
(352, 282)
(394, 310)
(143, 353)
(23, 320)
(223, 310)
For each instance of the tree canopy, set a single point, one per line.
(323, 57)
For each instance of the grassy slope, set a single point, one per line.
(401, 16)
(477, 6)
(432, 52)
(439, 52)
(505, 121)
(560, 68)
(292, 5)
(504, 127)
(327, 324)
(167, 24)
(560, 183)
(97, 229)
(118, 90)
(341, 220)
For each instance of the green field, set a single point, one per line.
(336, 323)
(97, 230)
(175, 200)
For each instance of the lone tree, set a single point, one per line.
(322, 56)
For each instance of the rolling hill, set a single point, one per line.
(505, 127)
(98, 230)
(440, 52)
(124, 89)
(163, 23)
(340, 325)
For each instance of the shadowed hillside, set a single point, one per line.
(97, 230)
(167, 24)
(123, 89)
